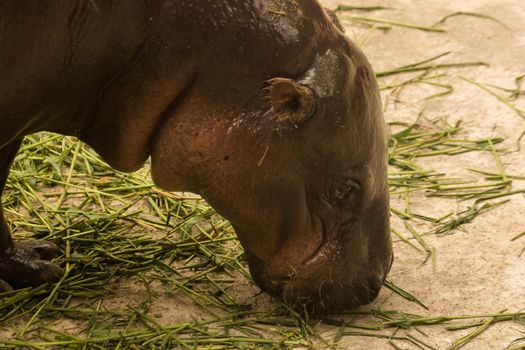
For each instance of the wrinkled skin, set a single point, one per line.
(263, 107)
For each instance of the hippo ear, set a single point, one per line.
(291, 101)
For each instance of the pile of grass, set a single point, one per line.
(115, 227)
(120, 231)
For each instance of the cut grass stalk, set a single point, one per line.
(520, 111)
(459, 343)
(343, 8)
(393, 23)
(518, 236)
(431, 251)
(424, 66)
(404, 294)
(396, 319)
(469, 14)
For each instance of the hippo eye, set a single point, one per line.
(346, 188)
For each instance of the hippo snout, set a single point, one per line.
(323, 289)
(337, 278)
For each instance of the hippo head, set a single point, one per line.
(291, 148)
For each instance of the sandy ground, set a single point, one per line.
(479, 269)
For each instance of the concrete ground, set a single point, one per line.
(479, 269)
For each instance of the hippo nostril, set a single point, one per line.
(374, 286)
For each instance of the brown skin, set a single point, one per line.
(263, 107)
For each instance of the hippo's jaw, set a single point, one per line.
(333, 280)
(346, 270)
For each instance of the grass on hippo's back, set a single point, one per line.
(130, 246)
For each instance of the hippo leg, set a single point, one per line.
(22, 264)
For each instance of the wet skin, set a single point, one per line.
(263, 107)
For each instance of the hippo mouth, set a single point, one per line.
(276, 283)
(328, 244)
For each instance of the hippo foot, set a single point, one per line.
(25, 264)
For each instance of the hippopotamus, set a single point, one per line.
(263, 107)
